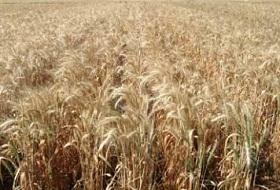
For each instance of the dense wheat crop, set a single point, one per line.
(140, 95)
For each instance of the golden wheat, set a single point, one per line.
(139, 95)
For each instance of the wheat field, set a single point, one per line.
(139, 95)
